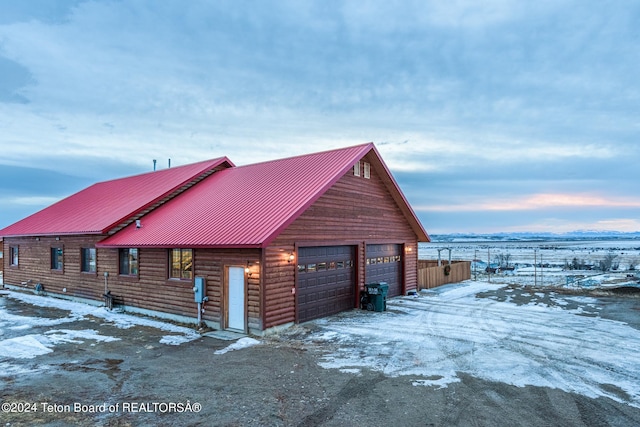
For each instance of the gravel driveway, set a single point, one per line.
(472, 354)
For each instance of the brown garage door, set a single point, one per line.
(325, 281)
(384, 265)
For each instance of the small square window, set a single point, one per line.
(356, 169)
(302, 268)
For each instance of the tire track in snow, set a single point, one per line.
(439, 336)
(548, 349)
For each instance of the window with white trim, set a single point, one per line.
(356, 169)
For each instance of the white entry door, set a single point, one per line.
(236, 299)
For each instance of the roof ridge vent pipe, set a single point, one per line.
(169, 163)
(154, 164)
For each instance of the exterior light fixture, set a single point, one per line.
(247, 269)
(291, 257)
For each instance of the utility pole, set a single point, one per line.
(535, 267)
(475, 265)
(541, 270)
(489, 264)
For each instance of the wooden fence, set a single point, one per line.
(430, 275)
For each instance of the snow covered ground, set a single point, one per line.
(16, 343)
(552, 340)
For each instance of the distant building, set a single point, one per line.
(274, 243)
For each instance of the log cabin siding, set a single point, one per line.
(210, 264)
(279, 280)
(151, 289)
(354, 211)
(34, 257)
(410, 266)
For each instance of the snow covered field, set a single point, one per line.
(544, 262)
(555, 252)
(493, 333)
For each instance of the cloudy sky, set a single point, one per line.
(494, 116)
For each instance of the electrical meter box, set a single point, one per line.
(198, 289)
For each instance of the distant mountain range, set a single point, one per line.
(533, 236)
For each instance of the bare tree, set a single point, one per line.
(503, 260)
(575, 264)
(607, 264)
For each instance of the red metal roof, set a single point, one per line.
(247, 206)
(103, 206)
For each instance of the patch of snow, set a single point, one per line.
(19, 327)
(25, 347)
(327, 336)
(439, 383)
(7, 369)
(355, 371)
(26, 322)
(588, 301)
(32, 345)
(239, 345)
(78, 311)
(59, 336)
(179, 339)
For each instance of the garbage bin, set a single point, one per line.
(377, 296)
